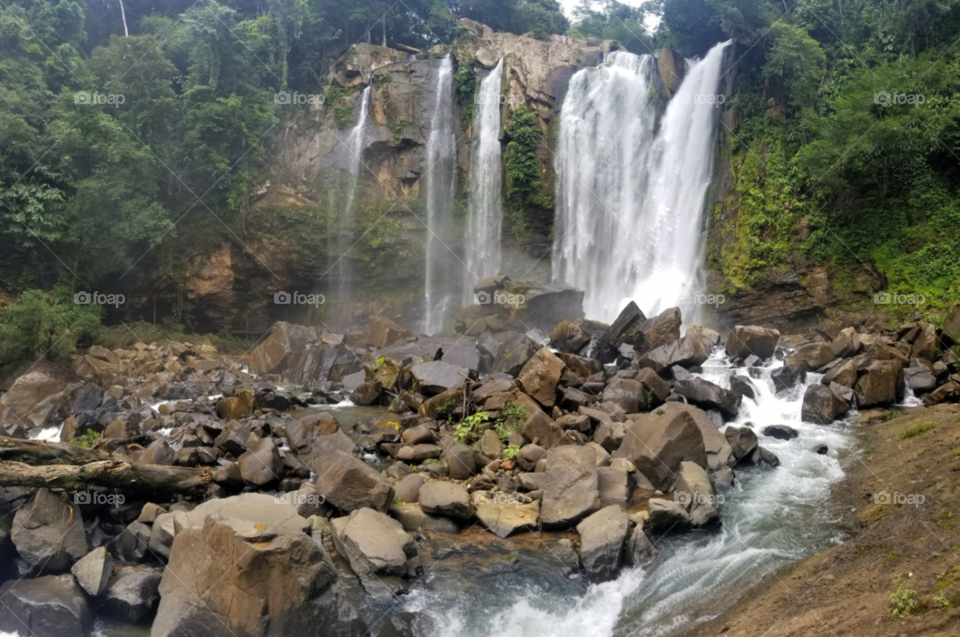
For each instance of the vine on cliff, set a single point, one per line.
(525, 194)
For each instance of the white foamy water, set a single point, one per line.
(48, 434)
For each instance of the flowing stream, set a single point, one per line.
(485, 210)
(770, 517)
(630, 195)
(440, 179)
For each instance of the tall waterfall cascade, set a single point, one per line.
(485, 209)
(630, 194)
(440, 180)
(354, 150)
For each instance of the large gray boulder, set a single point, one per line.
(436, 377)
(689, 351)
(694, 490)
(881, 382)
(504, 515)
(231, 578)
(667, 515)
(375, 544)
(93, 571)
(132, 593)
(707, 395)
(446, 499)
(656, 444)
(51, 606)
(256, 508)
(570, 486)
(261, 463)
(274, 355)
(48, 532)
(750, 340)
(822, 405)
(602, 539)
(540, 376)
(350, 484)
(742, 440)
(810, 357)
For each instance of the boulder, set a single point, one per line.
(822, 405)
(570, 486)
(743, 386)
(951, 324)
(881, 383)
(656, 444)
(48, 532)
(261, 464)
(93, 571)
(780, 432)
(51, 606)
(715, 445)
(408, 489)
(232, 577)
(273, 355)
(540, 428)
(846, 343)
(686, 352)
(132, 593)
(613, 483)
(236, 407)
(707, 395)
(435, 377)
(375, 544)
(506, 516)
(662, 329)
(627, 393)
(919, 379)
(667, 515)
(132, 544)
(787, 377)
(256, 508)
(750, 340)
(412, 518)
(602, 539)
(844, 373)
(694, 490)
(382, 332)
(540, 375)
(460, 459)
(350, 484)
(810, 357)
(926, 345)
(639, 548)
(446, 499)
(515, 352)
(568, 337)
(407, 625)
(367, 393)
(463, 353)
(743, 441)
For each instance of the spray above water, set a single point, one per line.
(485, 212)
(630, 198)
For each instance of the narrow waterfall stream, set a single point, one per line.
(770, 517)
(440, 176)
(354, 151)
(485, 211)
(630, 198)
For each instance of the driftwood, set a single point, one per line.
(61, 465)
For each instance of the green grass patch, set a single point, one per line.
(916, 430)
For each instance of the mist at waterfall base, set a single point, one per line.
(630, 195)
(770, 517)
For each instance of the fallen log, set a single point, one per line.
(114, 474)
(39, 452)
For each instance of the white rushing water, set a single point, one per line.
(440, 179)
(354, 143)
(485, 209)
(630, 198)
(769, 518)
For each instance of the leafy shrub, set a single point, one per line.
(916, 430)
(47, 324)
(87, 440)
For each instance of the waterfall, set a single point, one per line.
(485, 211)
(355, 150)
(630, 196)
(440, 179)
